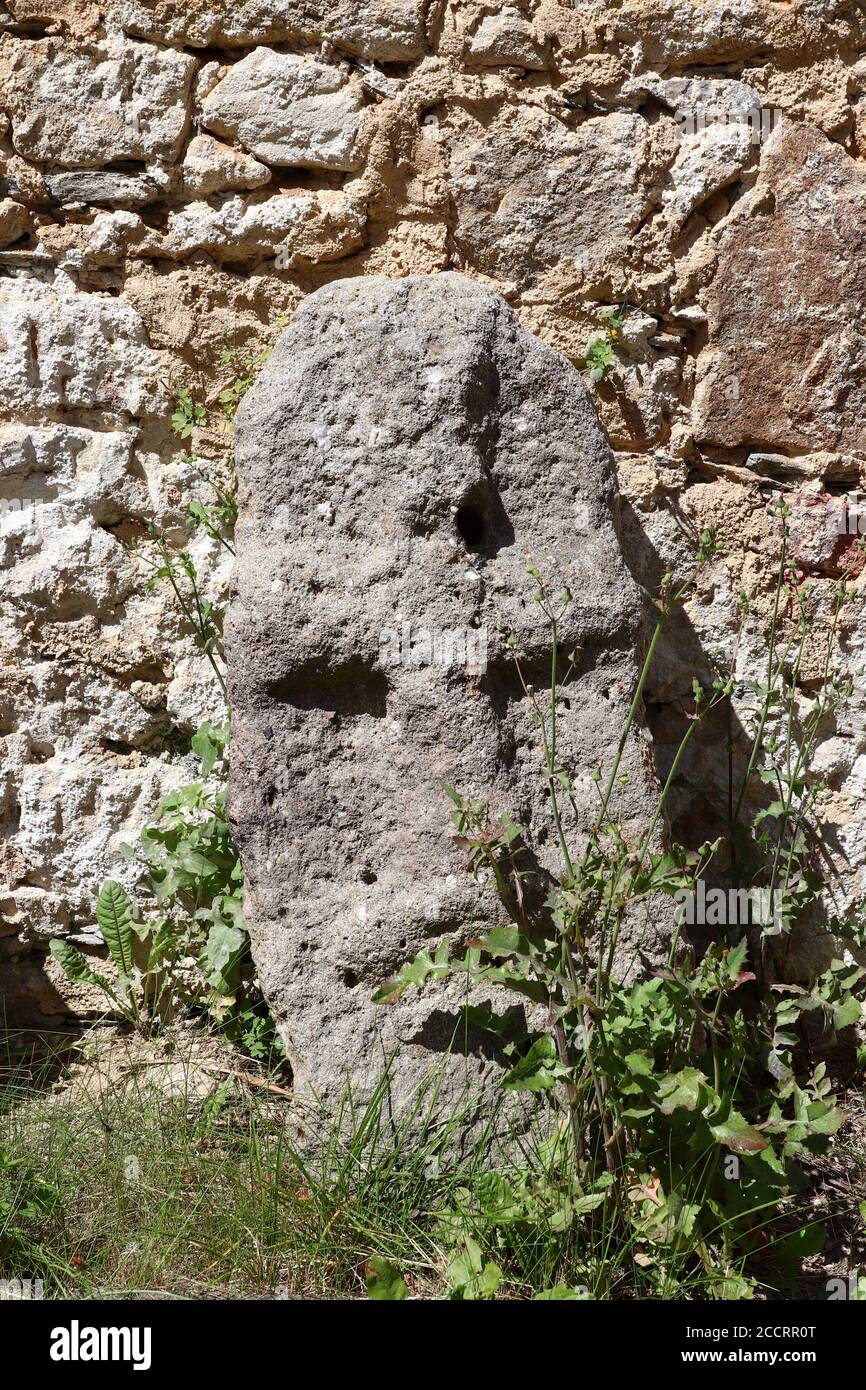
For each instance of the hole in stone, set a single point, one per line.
(367, 876)
(482, 521)
(471, 525)
(349, 978)
(40, 752)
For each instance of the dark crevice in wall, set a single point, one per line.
(351, 688)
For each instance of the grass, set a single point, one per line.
(149, 1182)
(149, 1175)
(156, 1170)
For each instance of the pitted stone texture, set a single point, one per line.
(388, 30)
(104, 102)
(386, 407)
(677, 33)
(785, 362)
(84, 698)
(65, 800)
(60, 351)
(288, 110)
(86, 685)
(73, 473)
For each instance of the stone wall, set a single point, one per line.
(177, 175)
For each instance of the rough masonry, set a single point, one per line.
(177, 176)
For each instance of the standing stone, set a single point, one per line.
(404, 453)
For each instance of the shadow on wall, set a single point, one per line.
(28, 998)
(702, 800)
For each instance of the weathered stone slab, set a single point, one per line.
(530, 193)
(109, 101)
(65, 351)
(785, 362)
(288, 110)
(103, 186)
(389, 30)
(406, 449)
(317, 226)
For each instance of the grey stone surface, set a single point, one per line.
(404, 452)
(531, 193)
(103, 186)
